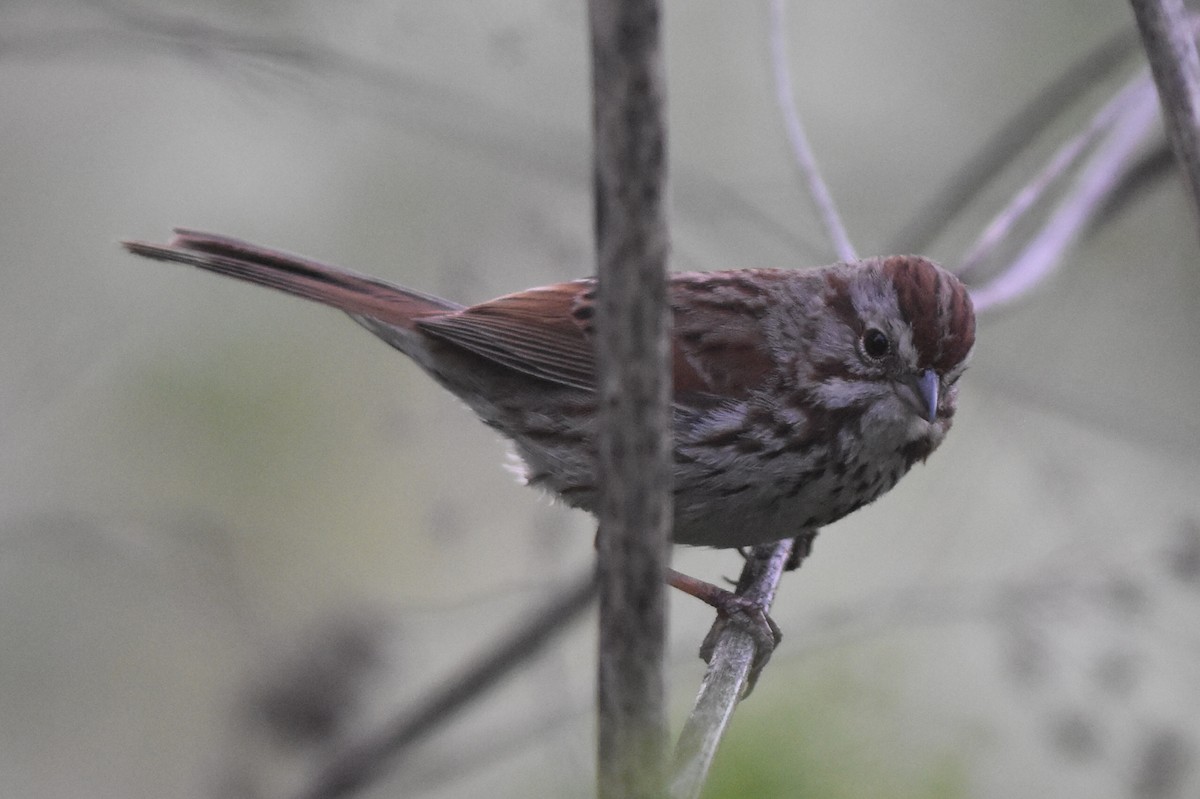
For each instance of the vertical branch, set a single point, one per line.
(1171, 47)
(633, 458)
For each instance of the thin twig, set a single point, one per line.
(634, 445)
(1171, 47)
(1010, 139)
(801, 150)
(1090, 190)
(729, 675)
(359, 764)
(1001, 227)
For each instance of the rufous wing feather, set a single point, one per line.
(544, 332)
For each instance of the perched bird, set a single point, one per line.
(799, 395)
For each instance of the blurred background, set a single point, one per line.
(235, 526)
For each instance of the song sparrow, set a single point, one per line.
(799, 395)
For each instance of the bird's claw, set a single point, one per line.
(752, 618)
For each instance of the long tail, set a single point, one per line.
(366, 299)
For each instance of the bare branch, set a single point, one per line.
(1170, 45)
(730, 674)
(1000, 229)
(1090, 190)
(634, 448)
(359, 764)
(801, 150)
(1012, 137)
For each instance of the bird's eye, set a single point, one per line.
(875, 343)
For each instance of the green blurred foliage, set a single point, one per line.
(826, 738)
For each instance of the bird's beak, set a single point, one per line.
(921, 392)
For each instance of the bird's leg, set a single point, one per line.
(801, 549)
(748, 614)
(743, 606)
(743, 611)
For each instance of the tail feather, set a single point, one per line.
(358, 295)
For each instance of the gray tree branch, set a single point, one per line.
(1170, 46)
(359, 764)
(1098, 177)
(1011, 138)
(634, 448)
(730, 674)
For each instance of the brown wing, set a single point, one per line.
(719, 350)
(544, 332)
